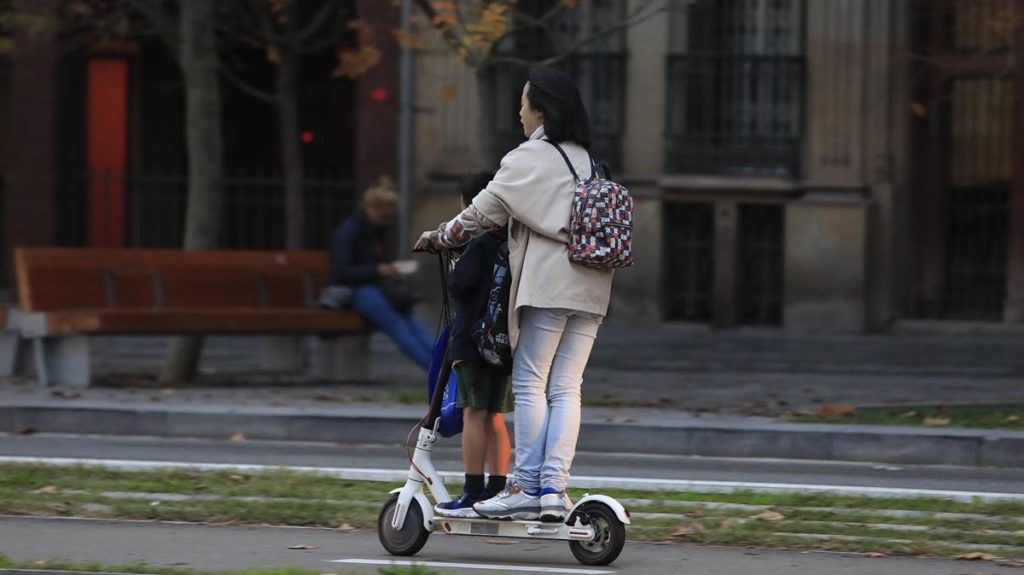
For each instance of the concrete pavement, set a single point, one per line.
(235, 547)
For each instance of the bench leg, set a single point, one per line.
(62, 360)
(13, 353)
(344, 357)
(282, 353)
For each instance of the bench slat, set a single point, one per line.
(227, 320)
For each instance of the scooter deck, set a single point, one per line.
(513, 528)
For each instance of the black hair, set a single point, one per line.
(472, 184)
(554, 94)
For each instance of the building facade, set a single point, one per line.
(819, 165)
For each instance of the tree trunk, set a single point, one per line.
(291, 151)
(198, 60)
(487, 147)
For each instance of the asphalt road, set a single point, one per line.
(447, 458)
(208, 547)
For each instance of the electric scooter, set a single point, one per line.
(595, 527)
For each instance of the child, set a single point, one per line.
(484, 390)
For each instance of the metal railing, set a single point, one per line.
(253, 213)
(734, 114)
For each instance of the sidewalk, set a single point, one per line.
(673, 389)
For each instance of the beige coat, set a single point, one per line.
(532, 192)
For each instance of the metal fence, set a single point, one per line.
(689, 261)
(153, 208)
(734, 114)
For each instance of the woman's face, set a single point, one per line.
(380, 214)
(530, 118)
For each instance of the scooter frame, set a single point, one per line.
(422, 474)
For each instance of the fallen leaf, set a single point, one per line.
(908, 414)
(1011, 418)
(302, 546)
(65, 394)
(46, 489)
(24, 431)
(687, 529)
(976, 556)
(346, 527)
(835, 409)
(238, 437)
(193, 473)
(239, 478)
(1017, 564)
(154, 503)
(621, 419)
(769, 516)
(875, 554)
(936, 421)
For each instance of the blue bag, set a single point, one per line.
(451, 416)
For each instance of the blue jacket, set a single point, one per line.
(357, 248)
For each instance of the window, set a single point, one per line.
(598, 67)
(735, 87)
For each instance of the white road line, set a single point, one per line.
(493, 567)
(578, 482)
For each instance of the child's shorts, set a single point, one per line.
(483, 387)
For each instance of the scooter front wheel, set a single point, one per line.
(609, 535)
(410, 538)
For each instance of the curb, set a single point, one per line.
(658, 433)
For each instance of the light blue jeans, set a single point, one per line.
(547, 374)
(404, 329)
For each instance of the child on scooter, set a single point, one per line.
(484, 390)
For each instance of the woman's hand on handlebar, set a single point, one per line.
(427, 243)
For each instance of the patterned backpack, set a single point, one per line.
(601, 223)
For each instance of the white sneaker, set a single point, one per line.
(461, 512)
(511, 503)
(554, 505)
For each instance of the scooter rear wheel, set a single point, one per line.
(408, 540)
(609, 535)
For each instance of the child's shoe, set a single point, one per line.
(554, 504)
(461, 507)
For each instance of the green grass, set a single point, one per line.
(307, 499)
(982, 417)
(95, 567)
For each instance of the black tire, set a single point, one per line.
(411, 538)
(609, 535)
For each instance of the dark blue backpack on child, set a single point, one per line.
(450, 419)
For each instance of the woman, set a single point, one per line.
(556, 306)
(360, 260)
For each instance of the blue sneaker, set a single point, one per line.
(461, 507)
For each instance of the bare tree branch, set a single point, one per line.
(246, 87)
(453, 38)
(638, 16)
(308, 32)
(163, 22)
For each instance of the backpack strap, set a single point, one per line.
(593, 166)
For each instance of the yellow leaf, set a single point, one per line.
(355, 63)
(46, 490)
(237, 438)
(769, 516)
(448, 93)
(834, 409)
(273, 55)
(976, 556)
(687, 529)
(936, 421)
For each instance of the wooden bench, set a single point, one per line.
(67, 294)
